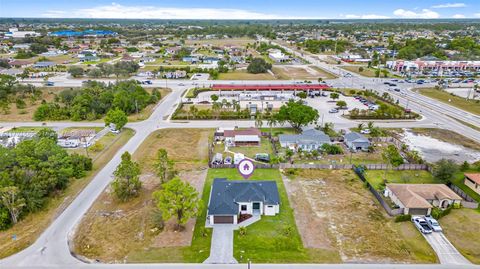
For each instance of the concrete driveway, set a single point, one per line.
(221, 250)
(446, 252)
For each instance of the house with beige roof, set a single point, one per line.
(473, 181)
(419, 199)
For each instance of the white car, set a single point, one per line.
(333, 110)
(433, 224)
(421, 224)
(365, 131)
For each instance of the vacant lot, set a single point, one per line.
(462, 229)
(147, 111)
(304, 72)
(244, 75)
(451, 99)
(26, 114)
(375, 177)
(448, 136)
(222, 42)
(34, 224)
(334, 211)
(115, 232)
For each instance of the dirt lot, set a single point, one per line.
(112, 231)
(334, 211)
(448, 136)
(299, 72)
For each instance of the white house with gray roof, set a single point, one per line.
(309, 140)
(231, 198)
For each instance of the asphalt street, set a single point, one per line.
(51, 249)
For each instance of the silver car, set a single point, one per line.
(433, 224)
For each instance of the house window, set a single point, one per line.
(270, 206)
(244, 207)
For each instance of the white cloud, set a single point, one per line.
(458, 16)
(424, 14)
(450, 5)
(365, 16)
(116, 11)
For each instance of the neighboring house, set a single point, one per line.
(473, 182)
(419, 199)
(219, 134)
(309, 140)
(191, 59)
(20, 63)
(278, 56)
(356, 141)
(176, 74)
(229, 199)
(246, 137)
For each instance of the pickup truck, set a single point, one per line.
(421, 224)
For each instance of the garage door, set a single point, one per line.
(222, 219)
(418, 211)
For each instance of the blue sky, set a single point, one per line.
(241, 9)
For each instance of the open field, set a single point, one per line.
(115, 232)
(286, 72)
(367, 72)
(453, 100)
(334, 211)
(244, 75)
(23, 129)
(375, 177)
(28, 229)
(461, 227)
(26, 114)
(448, 136)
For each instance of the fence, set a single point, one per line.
(315, 166)
(407, 166)
(468, 201)
(385, 205)
(257, 166)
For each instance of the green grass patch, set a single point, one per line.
(458, 180)
(451, 99)
(26, 129)
(375, 177)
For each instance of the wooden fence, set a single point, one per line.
(467, 201)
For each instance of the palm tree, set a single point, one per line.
(193, 111)
(271, 122)
(360, 126)
(370, 125)
(216, 108)
(258, 120)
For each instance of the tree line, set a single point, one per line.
(32, 172)
(95, 100)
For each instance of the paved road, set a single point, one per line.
(221, 249)
(52, 247)
(446, 252)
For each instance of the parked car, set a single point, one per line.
(365, 131)
(217, 159)
(262, 157)
(421, 224)
(147, 82)
(49, 83)
(333, 110)
(396, 89)
(433, 224)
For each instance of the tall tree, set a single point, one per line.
(296, 114)
(117, 117)
(11, 199)
(179, 199)
(444, 170)
(392, 157)
(164, 166)
(127, 183)
(47, 133)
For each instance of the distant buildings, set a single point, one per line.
(438, 65)
(86, 33)
(278, 56)
(15, 33)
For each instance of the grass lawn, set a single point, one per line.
(324, 73)
(458, 180)
(288, 72)
(251, 151)
(24, 129)
(335, 211)
(240, 41)
(244, 75)
(375, 177)
(278, 131)
(28, 229)
(451, 99)
(461, 227)
(265, 241)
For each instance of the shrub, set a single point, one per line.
(403, 218)
(157, 220)
(203, 232)
(438, 213)
(242, 231)
(97, 147)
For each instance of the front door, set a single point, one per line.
(256, 208)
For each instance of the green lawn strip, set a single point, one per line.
(251, 151)
(456, 101)
(26, 129)
(375, 177)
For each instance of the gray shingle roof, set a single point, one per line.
(356, 137)
(311, 136)
(226, 194)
